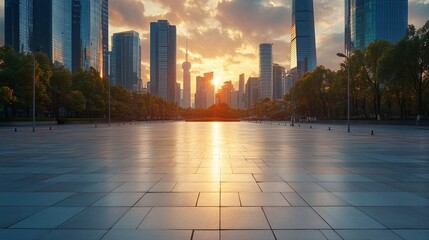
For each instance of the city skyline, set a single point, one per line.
(219, 42)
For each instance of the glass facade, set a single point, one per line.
(369, 20)
(303, 40)
(163, 60)
(126, 60)
(19, 24)
(279, 74)
(266, 70)
(105, 35)
(88, 45)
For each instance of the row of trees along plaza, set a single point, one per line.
(386, 80)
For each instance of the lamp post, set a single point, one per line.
(34, 91)
(348, 88)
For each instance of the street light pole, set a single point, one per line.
(34, 91)
(348, 88)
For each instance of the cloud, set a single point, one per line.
(330, 44)
(127, 14)
(418, 12)
(255, 19)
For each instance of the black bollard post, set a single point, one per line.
(16, 130)
(311, 126)
(50, 128)
(329, 128)
(372, 132)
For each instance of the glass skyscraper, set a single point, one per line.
(52, 30)
(369, 20)
(89, 28)
(19, 24)
(279, 74)
(303, 40)
(266, 70)
(163, 60)
(126, 60)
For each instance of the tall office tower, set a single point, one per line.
(126, 60)
(52, 28)
(163, 60)
(224, 93)
(369, 20)
(41, 26)
(266, 70)
(303, 40)
(19, 24)
(87, 35)
(186, 66)
(279, 75)
(241, 92)
(105, 35)
(252, 91)
(204, 95)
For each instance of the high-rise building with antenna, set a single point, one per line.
(186, 66)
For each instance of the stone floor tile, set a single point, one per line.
(182, 218)
(74, 234)
(132, 219)
(275, 187)
(148, 235)
(413, 234)
(347, 218)
(299, 235)
(118, 199)
(168, 200)
(383, 199)
(247, 234)
(239, 187)
(400, 217)
(243, 218)
(31, 198)
(263, 199)
(294, 218)
(51, 217)
(95, 218)
(22, 234)
(135, 187)
(322, 199)
(12, 215)
(368, 234)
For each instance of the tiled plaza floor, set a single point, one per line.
(208, 181)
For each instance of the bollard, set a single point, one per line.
(329, 128)
(311, 127)
(299, 125)
(50, 128)
(372, 132)
(16, 130)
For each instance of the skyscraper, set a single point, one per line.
(369, 20)
(52, 21)
(252, 91)
(163, 60)
(204, 95)
(186, 66)
(279, 75)
(45, 26)
(126, 60)
(19, 24)
(89, 48)
(266, 70)
(105, 35)
(303, 40)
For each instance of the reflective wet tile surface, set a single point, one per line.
(200, 181)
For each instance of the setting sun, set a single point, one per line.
(216, 82)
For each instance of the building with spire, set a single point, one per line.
(303, 38)
(186, 66)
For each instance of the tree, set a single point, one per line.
(417, 61)
(59, 89)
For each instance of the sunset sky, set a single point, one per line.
(224, 35)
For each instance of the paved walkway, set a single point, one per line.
(243, 180)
